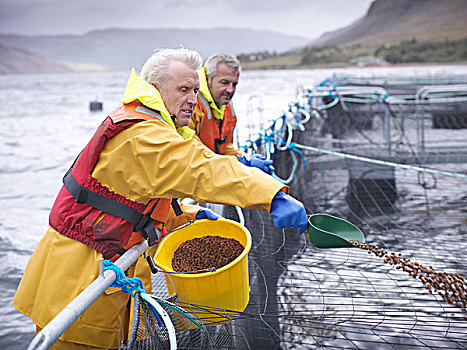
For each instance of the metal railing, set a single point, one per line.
(60, 323)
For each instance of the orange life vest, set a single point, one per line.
(89, 212)
(216, 134)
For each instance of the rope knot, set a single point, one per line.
(127, 285)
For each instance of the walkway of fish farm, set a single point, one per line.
(390, 156)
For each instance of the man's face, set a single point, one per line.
(180, 92)
(223, 85)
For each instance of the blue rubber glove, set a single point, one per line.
(206, 214)
(287, 212)
(258, 161)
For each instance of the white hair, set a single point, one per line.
(156, 67)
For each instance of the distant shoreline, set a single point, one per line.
(331, 66)
(247, 67)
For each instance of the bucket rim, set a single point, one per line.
(246, 249)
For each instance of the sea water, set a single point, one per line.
(45, 122)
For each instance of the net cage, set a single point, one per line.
(392, 162)
(170, 324)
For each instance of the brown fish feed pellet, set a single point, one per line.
(450, 286)
(205, 253)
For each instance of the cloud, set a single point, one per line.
(297, 17)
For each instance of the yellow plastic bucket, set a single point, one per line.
(225, 288)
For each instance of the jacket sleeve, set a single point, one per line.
(230, 150)
(150, 160)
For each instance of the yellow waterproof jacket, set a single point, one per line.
(149, 159)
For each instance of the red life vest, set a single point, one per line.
(216, 134)
(87, 211)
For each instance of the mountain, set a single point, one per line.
(13, 60)
(393, 21)
(123, 48)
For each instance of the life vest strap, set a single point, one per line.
(141, 222)
(176, 207)
(218, 142)
(206, 105)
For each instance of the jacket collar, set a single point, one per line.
(148, 95)
(218, 112)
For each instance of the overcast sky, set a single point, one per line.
(307, 18)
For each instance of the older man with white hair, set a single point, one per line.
(121, 189)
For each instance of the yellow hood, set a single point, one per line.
(148, 95)
(218, 112)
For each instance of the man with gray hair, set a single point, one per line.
(214, 119)
(122, 188)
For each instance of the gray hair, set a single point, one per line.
(214, 60)
(156, 68)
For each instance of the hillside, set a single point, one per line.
(391, 32)
(393, 21)
(13, 60)
(124, 48)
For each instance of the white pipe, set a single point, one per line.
(60, 323)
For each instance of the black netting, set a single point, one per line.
(147, 330)
(193, 326)
(394, 163)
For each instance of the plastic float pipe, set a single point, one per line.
(60, 323)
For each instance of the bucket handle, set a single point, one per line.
(168, 233)
(155, 270)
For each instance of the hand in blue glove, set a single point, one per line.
(258, 161)
(206, 214)
(287, 212)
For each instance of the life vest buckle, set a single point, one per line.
(148, 230)
(218, 142)
(142, 223)
(221, 140)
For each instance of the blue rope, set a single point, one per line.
(158, 319)
(128, 285)
(325, 82)
(292, 146)
(245, 147)
(274, 138)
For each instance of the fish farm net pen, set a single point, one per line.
(388, 154)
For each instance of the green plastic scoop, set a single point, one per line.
(327, 231)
